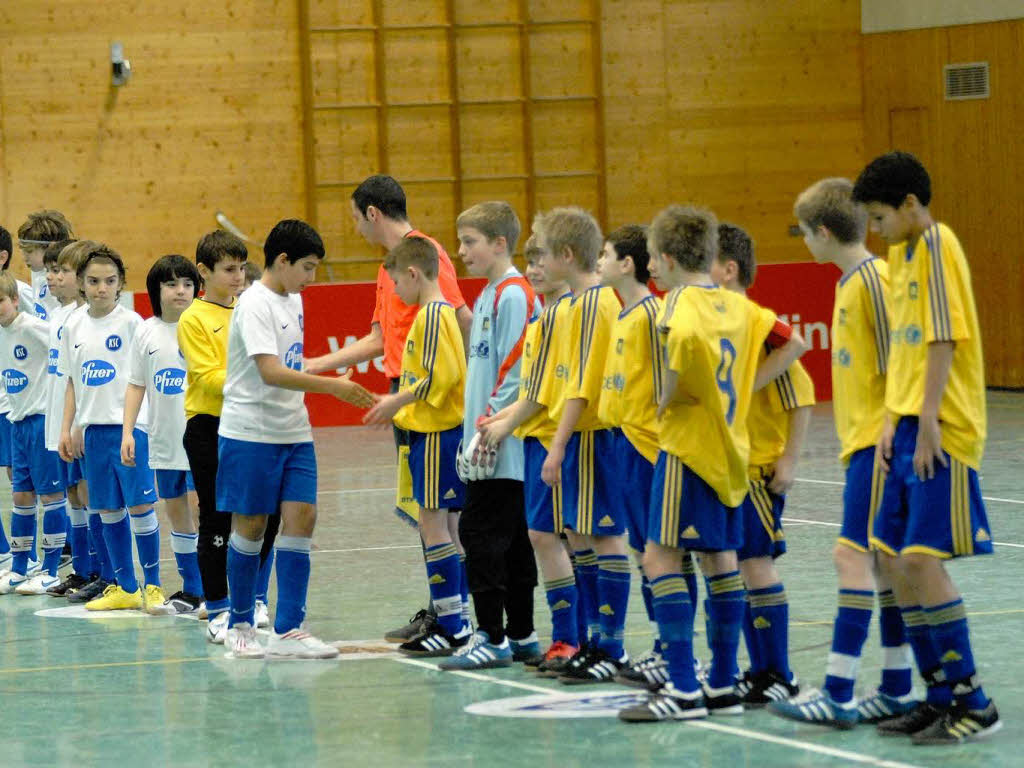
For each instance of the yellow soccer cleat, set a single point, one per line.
(116, 599)
(155, 599)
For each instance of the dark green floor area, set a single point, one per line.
(137, 690)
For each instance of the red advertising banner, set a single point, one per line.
(336, 314)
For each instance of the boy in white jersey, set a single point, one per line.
(39, 230)
(156, 373)
(94, 358)
(36, 471)
(267, 462)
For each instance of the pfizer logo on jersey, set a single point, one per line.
(51, 362)
(96, 373)
(15, 381)
(293, 357)
(40, 311)
(169, 381)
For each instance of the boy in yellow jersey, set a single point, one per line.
(712, 341)
(429, 403)
(529, 419)
(581, 457)
(777, 427)
(834, 228)
(931, 445)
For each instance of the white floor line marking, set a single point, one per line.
(804, 521)
(837, 482)
(842, 754)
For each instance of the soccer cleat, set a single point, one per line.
(649, 671)
(767, 687)
(241, 641)
(37, 585)
(176, 604)
(262, 614)
(817, 707)
(961, 724)
(745, 682)
(668, 704)
(600, 667)
(578, 660)
(526, 650)
(71, 582)
(413, 629)
(90, 591)
(479, 653)
(299, 644)
(5, 563)
(116, 599)
(881, 706)
(154, 598)
(217, 628)
(434, 641)
(722, 701)
(201, 613)
(555, 659)
(914, 721)
(34, 567)
(10, 581)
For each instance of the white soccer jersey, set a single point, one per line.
(95, 351)
(24, 349)
(43, 302)
(264, 323)
(157, 364)
(26, 298)
(56, 382)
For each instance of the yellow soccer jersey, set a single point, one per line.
(860, 352)
(712, 338)
(537, 379)
(434, 368)
(632, 376)
(768, 420)
(583, 351)
(932, 301)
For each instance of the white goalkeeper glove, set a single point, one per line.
(476, 461)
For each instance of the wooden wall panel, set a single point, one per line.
(974, 157)
(210, 119)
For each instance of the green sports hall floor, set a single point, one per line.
(138, 690)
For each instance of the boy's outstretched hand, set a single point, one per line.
(384, 411)
(349, 391)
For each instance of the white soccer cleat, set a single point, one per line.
(242, 642)
(217, 629)
(262, 615)
(5, 564)
(299, 644)
(34, 567)
(10, 582)
(37, 585)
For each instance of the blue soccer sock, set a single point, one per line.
(80, 560)
(186, 557)
(769, 609)
(243, 568)
(926, 654)
(613, 596)
(586, 583)
(146, 528)
(750, 638)
(101, 562)
(263, 581)
(292, 582)
(948, 624)
(55, 527)
(690, 576)
(117, 534)
(464, 591)
(23, 529)
(897, 668)
(648, 597)
(674, 612)
(849, 633)
(727, 605)
(563, 600)
(445, 582)
(581, 612)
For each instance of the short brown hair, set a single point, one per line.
(74, 255)
(734, 244)
(685, 233)
(44, 227)
(573, 228)
(532, 248)
(493, 219)
(9, 287)
(829, 203)
(413, 252)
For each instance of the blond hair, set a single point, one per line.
(573, 228)
(413, 252)
(9, 286)
(75, 254)
(829, 203)
(493, 219)
(685, 233)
